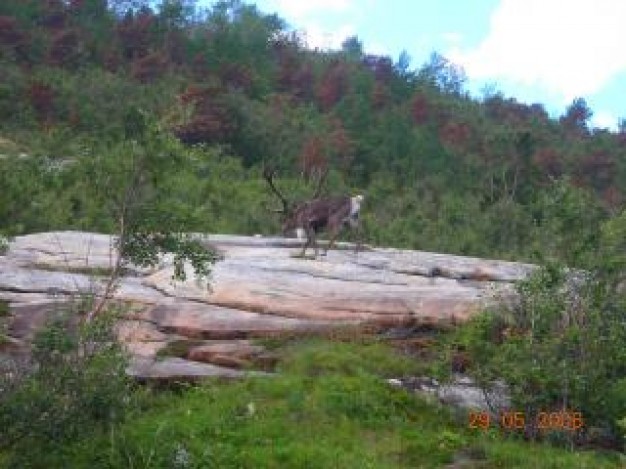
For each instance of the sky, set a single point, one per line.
(536, 51)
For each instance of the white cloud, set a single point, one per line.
(316, 37)
(302, 8)
(376, 48)
(452, 38)
(569, 48)
(307, 13)
(604, 120)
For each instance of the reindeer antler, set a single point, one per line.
(268, 175)
(320, 183)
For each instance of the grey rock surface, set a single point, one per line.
(461, 392)
(259, 289)
(178, 369)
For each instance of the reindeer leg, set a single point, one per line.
(310, 239)
(305, 245)
(359, 238)
(314, 238)
(334, 233)
(333, 238)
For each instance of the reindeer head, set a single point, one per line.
(291, 212)
(355, 204)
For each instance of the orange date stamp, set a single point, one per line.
(543, 421)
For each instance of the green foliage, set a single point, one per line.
(90, 119)
(317, 358)
(567, 221)
(145, 249)
(336, 413)
(612, 253)
(91, 99)
(4, 315)
(75, 385)
(559, 346)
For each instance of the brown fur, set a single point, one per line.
(328, 213)
(317, 214)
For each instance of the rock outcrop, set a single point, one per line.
(461, 392)
(258, 290)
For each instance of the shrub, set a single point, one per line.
(559, 347)
(75, 384)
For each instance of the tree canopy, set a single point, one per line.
(237, 88)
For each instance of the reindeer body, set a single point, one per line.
(327, 213)
(317, 214)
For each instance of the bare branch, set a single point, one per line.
(130, 195)
(320, 183)
(268, 175)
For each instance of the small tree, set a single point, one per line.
(146, 227)
(560, 345)
(74, 384)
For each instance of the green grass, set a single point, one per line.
(4, 314)
(327, 407)
(4, 308)
(178, 348)
(85, 270)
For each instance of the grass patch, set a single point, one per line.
(363, 334)
(4, 309)
(85, 270)
(328, 407)
(318, 357)
(4, 315)
(179, 348)
(8, 146)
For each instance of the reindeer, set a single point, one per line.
(317, 214)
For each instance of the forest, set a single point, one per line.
(235, 89)
(172, 112)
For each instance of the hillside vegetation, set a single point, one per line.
(232, 88)
(149, 118)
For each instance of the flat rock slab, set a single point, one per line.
(236, 348)
(64, 250)
(178, 369)
(68, 250)
(141, 338)
(344, 287)
(26, 319)
(259, 289)
(16, 278)
(205, 321)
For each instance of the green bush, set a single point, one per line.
(560, 346)
(75, 384)
(338, 413)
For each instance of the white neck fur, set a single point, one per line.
(355, 204)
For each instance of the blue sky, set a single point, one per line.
(545, 51)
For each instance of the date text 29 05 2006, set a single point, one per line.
(511, 420)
